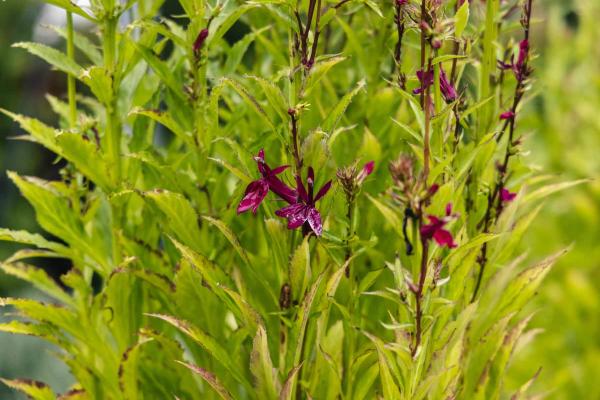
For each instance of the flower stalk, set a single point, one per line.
(71, 84)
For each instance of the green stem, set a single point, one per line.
(113, 132)
(71, 90)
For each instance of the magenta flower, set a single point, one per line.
(303, 211)
(366, 171)
(506, 195)
(507, 115)
(200, 39)
(435, 229)
(257, 190)
(519, 68)
(426, 79)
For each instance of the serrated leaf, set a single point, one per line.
(262, 367)
(338, 111)
(209, 378)
(34, 389)
(210, 345)
(52, 56)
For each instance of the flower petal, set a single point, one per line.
(506, 195)
(323, 191)
(314, 220)
(282, 190)
(279, 169)
(444, 238)
(366, 171)
(299, 218)
(287, 211)
(253, 196)
(301, 189)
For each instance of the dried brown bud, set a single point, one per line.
(402, 171)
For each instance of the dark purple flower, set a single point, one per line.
(257, 190)
(519, 68)
(448, 90)
(435, 229)
(427, 78)
(304, 210)
(200, 39)
(506, 195)
(507, 115)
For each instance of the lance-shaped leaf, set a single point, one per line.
(40, 279)
(34, 389)
(209, 378)
(52, 56)
(338, 111)
(261, 366)
(289, 385)
(209, 344)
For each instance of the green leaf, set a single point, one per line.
(38, 278)
(86, 156)
(52, 56)
(262, 367)
(166, 119)
(211, 345)
(338, 111)
(70, 6)
(318, 71)
(289, 385)
(81, 42)
(161, 69)
(181, 217)
(100, 83)
(224, 21)
(209, 378)
(34, 389)
(300, 269)
(389, 215)
(273, 95)
(461, 19)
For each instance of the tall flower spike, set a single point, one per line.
(257, 190)
(304, 211)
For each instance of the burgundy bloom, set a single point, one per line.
(200, 39)
(519, 68)
(448, 90)
(257, 190)
(427, 78)
(435, 229)
(304, 210)
(506, 195)
(507, 115)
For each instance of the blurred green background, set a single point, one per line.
(562, 126)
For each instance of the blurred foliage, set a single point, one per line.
(565, 125)
(565, 128)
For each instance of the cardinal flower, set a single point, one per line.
(427, 78)
(200, 39)
(257, 190)
(303, 211)
(435, 229)
(506, 195)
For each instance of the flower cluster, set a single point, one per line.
(427, 78)
(435, 229)
(519, 68)
(301, 210)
